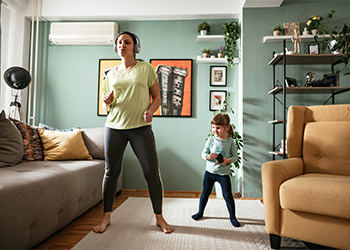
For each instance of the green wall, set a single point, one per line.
(257, 77)
(68, 96)
(68, 76)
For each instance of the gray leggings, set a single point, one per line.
(143, 144)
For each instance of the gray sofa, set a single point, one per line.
(40, 197)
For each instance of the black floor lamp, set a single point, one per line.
(17, 78)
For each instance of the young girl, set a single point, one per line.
(219, 152)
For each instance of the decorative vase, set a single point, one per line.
(331, 44)
(305, 32)
(221, 55)
(206, 55)
(276, 32)
(314, 31)
(203, 32)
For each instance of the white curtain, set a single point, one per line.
(0, 35)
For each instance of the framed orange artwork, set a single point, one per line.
(104, 66)
(217, 99)
(175, 85)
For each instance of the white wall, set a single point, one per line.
(139, 9)
(14, 47)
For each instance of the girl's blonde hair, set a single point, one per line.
(223, 120)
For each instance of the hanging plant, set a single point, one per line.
(231, 35)
(341, 37)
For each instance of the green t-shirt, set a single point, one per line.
(131, 95)
(228, 150)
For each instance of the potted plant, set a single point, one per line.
(206, 52)
(312, 23)
(326, 31)
(231, 32)
(203, 28)
(221, 51)
(277, 30)
(341, 44)
(338, 40)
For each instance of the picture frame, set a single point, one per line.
(105, 65)
(289, 28)
(175, 85)
(314, 49)
(216, 100)
(218, 76)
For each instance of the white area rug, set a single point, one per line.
(133, 227)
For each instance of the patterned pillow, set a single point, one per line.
(43, 126)
(33, 148)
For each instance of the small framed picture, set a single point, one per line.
(216, 100)
(218, 75)
(314, 49)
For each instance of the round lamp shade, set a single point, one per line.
(17, 77)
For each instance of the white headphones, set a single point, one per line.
(137, 45)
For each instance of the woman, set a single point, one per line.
(126, 91)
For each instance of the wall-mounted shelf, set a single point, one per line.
(276, 153)
(216, 60)
(210, 38)
(213, 38)
(306, 59)
(278, 39)
(310, 90)
(275, 121)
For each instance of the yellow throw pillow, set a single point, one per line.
(60, 146)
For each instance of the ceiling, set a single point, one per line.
(65, 10)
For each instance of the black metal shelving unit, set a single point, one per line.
(297, 59)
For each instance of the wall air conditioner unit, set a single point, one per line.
(83, 33)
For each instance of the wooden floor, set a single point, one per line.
(70, 235)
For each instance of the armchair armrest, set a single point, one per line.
(273, 174)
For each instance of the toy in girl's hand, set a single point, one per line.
(220, 158)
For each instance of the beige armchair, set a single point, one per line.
(307, 196)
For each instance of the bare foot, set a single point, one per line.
(160, 222)
(104, 223)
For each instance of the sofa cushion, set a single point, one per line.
(299, 115)
(33, 149)
(11, 143)
(60, 146)
(325, 149)
(94, 141)
(322, 194)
